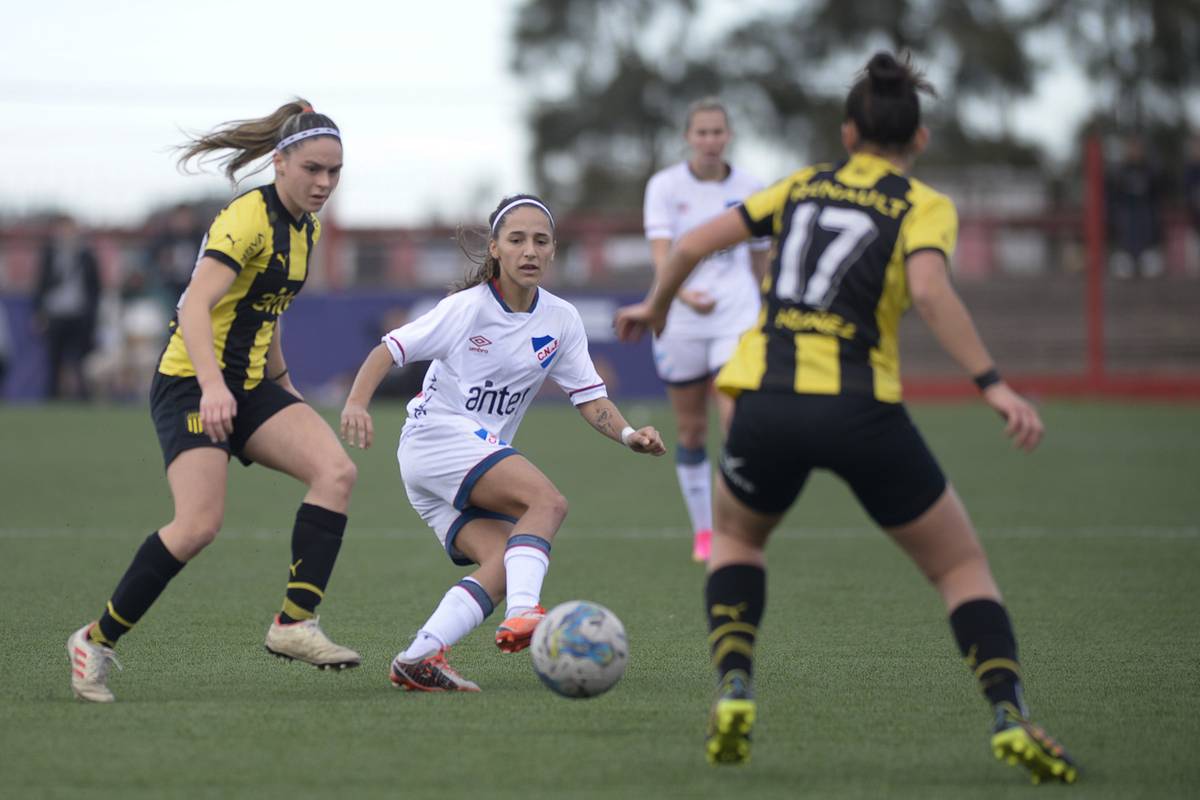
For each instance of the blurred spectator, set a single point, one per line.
(173, 252)
(1191, 195)
(65, 302)
(401, 383)
(5, 346)
(1134, 218)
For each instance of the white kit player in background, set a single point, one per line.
(718, 302)
(493, 343)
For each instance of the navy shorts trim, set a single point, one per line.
(470, 513)
(175, 409)
(476, 472)
(689, 381)
(776, 439)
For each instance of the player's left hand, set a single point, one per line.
(1024, 425)
(631, 322)
(698, 301)
(647, 440)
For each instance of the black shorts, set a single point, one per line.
(175, 407)
(777, 439)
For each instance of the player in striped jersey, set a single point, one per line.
(818, 386)
(222, 389)
(493, 343)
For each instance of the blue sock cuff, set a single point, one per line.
(528, 540)
(480, 594)
(690, 455)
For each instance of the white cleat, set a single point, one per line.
(89, 667)
(305, 641)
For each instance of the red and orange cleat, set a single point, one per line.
(514, 633)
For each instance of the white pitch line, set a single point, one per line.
(645, 534)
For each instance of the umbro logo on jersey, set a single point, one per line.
(545, 348)
(479, 344)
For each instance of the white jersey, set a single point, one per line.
(489, 361)
(677, 201)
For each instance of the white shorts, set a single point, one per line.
(688, 360)
(440, 463)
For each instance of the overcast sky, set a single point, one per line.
(93, 96)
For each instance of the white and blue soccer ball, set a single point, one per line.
(579, 649)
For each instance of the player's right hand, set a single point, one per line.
(217, 410)
(1023, 424)
(632, 322)
(357, 430)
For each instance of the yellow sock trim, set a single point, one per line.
(731, 627)
(112, 612)
(97, 636)
(296, 612)
(308, 587)
(998, 663)
(732, 644)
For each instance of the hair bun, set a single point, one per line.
(886, 74)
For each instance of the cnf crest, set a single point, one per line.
(545, 348)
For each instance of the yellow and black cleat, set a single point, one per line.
(1018, 742)
(730, 722)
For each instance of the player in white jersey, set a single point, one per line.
(493, 343)
(717, 303)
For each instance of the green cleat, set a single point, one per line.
(1017, 741)
(730, 721)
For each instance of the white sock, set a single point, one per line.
(695, 481)
(526, 561)
(462, 609)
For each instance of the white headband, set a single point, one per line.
(296, 137)
(524, 201)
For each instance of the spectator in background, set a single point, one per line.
(5, 347)
(1191, 195)
(65, 303)
(1134, 219)
(173, 252)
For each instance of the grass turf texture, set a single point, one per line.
(1094, 540)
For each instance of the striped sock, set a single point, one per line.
(526, 560)
(986, 640)
(462, 609)
(148, 574)
(316, 540)
(735, 596)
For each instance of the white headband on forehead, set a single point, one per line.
(296, 137)
(524, 201)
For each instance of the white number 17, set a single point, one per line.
(854, 230)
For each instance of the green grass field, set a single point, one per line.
(1095, 540)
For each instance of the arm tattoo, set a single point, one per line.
(603, 422)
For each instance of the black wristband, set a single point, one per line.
(280, 375)
(985, 379)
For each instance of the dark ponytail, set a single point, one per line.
(884, 103)
(474, 244)
(250, 139)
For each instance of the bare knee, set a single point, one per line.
(186, 536)
(336, 479)
(555, 505)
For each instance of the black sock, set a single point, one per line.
(734, 597)
(986, 640)
(152, 569)
(316, 540)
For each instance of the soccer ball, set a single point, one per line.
(579, 649)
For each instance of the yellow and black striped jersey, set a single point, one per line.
(838, 286)
(257, 238)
